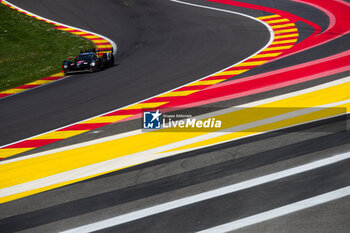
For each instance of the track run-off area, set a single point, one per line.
(275, 73)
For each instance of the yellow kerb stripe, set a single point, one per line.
(13, 91)
(67, 29)
(101, 41)
(230, 72)
(92, 37)
(277, 21)
(255, 63)
(58, 75)
(40, 82)
(286, 30)
(285, 41)
(178, 93)
(266, 55)
(107, 119)
(79, 33)
(207, 82)
(283, 25)
(61, 134)
(104, 46)
(5, 153)
(268, 17)
(146, 105)
(287, 36)
(278, 48)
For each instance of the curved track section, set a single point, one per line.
(284, 35)
(260, 175)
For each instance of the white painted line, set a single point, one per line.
(281, 211)
(211, 8)
(213, 114)
(33, 88)
(211, 194)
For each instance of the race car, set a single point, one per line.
(90, 60)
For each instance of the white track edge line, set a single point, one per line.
(54, 81)
(118, 220)
(280, 211)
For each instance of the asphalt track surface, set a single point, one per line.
(157, 38)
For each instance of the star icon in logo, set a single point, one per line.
(156, 115)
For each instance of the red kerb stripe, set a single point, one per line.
(52, 78)
(27, 86)
(89, 126)
(4, 95)
(32, 143)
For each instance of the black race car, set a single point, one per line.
(90, 60)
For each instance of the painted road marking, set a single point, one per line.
(283, 25)
(104, 119)
(178, 93)
(284, 41)
(61, 134)
(13, 91)
(277, 48)
(252, 63)
(61, 168)
(282, 121)
(269, 17)
(281, 211)
(286, 30)
(231, 72)
(208, 82)
(266, 55)
(9, 152)
(32, 85)
(287, 36)
(40, 82)
(277, 21)
(146, 105)
(161, 208)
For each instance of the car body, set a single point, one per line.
(90, 60)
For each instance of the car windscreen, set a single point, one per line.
(85, 57)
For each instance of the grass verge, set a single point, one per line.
(31, 49)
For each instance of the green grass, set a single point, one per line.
(31, 49)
